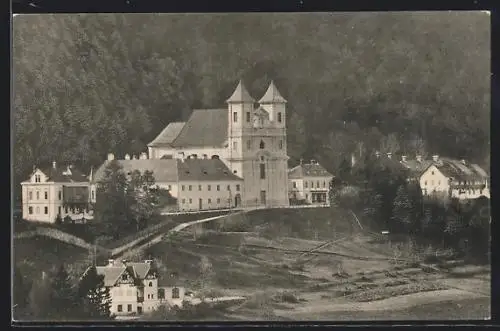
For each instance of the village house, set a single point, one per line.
(454, 179)
(54, 191)
(249, 140)
(443, 177)
(309, 183)
(134, 287)
(196, 184)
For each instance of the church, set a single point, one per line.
(249, 139)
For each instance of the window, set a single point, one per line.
(307, 196)
(129, 307)
(93, 195)
(229, 187)
(149, 296)
(120, 308)
(59, 210)
(30, 210)
(312, 184)
(324, 184)
(248, 117)
(124, 277)
(294, 184)
(235, 117)
(249, 144)
(238, 187)
(37, 195)
(169, 187)
(199, 187)
(190, 187)
(46, 195)
(209, 187)
(66, 209)
(305, 184)
(175, 293)
(218, 200)
(262, 171)
(218, 187)
(45, 210)
(183, 187)
(190, 200)
(425, 183)
(150, 284)
(432, 172)
(37, 178)
(30, 195)
(281, 144)
(235, 145)
(183, 200)
(209, 200)
(262, 145)
(59, 195)
(317, 184)
(152, 296)
(279, 117)
(235, 171)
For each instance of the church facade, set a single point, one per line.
(249, 139)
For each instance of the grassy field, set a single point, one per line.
(264, 260)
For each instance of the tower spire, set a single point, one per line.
(272, 95)
(240, 94)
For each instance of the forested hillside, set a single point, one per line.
(85, 85)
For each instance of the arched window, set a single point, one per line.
(262, 145)
(215, 157)
(150, 284)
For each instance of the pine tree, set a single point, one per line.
(95, 296)
(403, 210)
(63, 297)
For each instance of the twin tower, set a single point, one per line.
(256, 143)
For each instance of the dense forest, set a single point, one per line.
(88, 84)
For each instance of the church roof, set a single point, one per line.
(308, 170)
(205, 127)
(272, 95)
(240, 94)
(205, 169)
(168, 135)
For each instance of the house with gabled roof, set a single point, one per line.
(249, 140)
(310, 183)
(454, 179)
(55, 191)
(134, 287)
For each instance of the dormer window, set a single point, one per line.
(124, 277)
(37, 179)
(150, 284)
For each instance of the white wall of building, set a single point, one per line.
(213, 194)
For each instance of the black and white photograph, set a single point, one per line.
(241, 167)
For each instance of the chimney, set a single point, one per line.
(127, 157)
(54, 164)
(111, 156)
(419, 158)
(377, 154)
(111, 262)
(463, 162)
(389, 155)
(403, 158)
(144, 156)
(435, 158)
(313, 161)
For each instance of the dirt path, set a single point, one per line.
(395, 303)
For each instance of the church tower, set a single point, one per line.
(257, 143)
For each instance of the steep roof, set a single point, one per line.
(168, 135)
(62, 175)
(415, 167)
(272, 95)
(457, 170)
(164, 170)
(205, 169)
(308, 170)
(205, 127)
(138, 270)
(240, 94)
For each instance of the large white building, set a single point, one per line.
(310, 182)
(56, 190)
(249, 140)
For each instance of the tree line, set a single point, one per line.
(387, 201)
(88, 84)
(56, 296)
